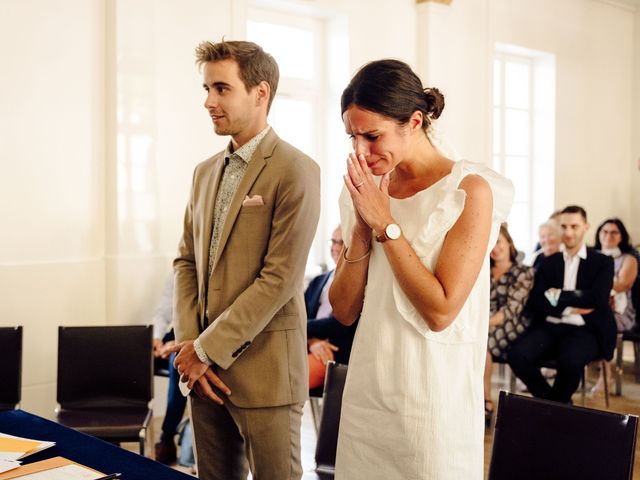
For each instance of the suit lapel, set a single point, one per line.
(581, 271)
(257, 163)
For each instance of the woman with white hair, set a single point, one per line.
(550, 235)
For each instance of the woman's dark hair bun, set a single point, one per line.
(435, 102)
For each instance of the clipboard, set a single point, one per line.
(44, 465)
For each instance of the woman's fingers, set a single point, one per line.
(358, 171)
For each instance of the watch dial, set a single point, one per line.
(393, 231)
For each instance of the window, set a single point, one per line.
(523, 136)
(305, 111)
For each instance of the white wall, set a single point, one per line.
(634, 164)
(593, 43)
(101, 124)
(51, 192)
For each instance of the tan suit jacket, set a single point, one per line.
(256, 335)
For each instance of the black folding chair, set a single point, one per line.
(105, 381)
(330, 420)
(539, 439)
(10, 367)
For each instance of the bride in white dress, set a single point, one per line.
(417, 229)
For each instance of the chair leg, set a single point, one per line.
(606, 382)
(618, 372)
(316, 412)
(636, 359)
(141, 439)
(512, 381)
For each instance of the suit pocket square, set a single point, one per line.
(254, 201)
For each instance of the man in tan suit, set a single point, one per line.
(239, 307)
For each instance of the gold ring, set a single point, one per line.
(359, 185)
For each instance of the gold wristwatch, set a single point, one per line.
(390, 232)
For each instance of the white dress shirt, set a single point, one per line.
(571, 264)
(325, 310)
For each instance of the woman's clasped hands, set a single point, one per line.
(370, 201)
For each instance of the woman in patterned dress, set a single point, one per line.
(511, 283)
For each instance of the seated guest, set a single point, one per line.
(612, 239)
(550, 235)
(327, 339)
(511, 282)
(163, 340)
(572, 323)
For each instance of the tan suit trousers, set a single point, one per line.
(233, 440)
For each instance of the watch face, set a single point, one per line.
(393, 231)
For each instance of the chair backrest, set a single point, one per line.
(10, 367)
(330, 421)
(105, 366)
(536, 439)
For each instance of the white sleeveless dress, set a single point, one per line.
(413, 400)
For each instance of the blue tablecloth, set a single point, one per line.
(84, 449)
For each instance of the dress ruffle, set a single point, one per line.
(428, 242)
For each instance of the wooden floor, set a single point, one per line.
(628, 403)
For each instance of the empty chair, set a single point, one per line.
(10, 367)
(330, 419)
(105, 381)
(540, 439)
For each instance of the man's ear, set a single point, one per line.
(263, 92)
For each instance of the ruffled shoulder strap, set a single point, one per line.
(428, 243)
(501, 187)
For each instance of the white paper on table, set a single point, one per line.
(13, 455)
(66, 472)
(6, 465)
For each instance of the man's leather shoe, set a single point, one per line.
(166, 452)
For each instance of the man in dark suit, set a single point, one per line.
(327, 339)
(572, 321)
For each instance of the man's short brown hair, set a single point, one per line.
(254, 63)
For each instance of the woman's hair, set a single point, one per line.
(390, 88)
(552, 225)
(513, 252)
(625, 242)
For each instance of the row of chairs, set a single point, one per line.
(105, 379)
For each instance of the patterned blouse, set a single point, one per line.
(509, 294)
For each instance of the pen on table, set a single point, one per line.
(111, 476)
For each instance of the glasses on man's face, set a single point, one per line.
(333, 242)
